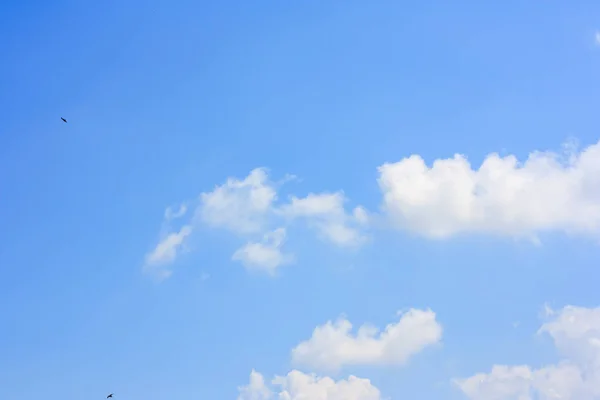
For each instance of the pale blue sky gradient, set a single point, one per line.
(165, 101)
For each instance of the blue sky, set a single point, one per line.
(167, 102)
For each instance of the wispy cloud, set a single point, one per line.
(171, 213)
(265, 255)
(249, 209)
(165, 252)
(576, 335)
(326, 212)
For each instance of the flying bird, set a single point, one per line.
(64, 120)
(110, 395)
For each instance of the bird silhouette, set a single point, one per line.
(110, 395)
(64, 120)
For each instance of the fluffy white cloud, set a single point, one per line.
(547, 192)
(165, 252)
(247, 207)
(300, 386)
(265, 255)
(576, 334)
(502, 383)
(239, 205)
(326, 212)
(333, 346)
(256, 389)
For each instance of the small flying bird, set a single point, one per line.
(64, 120)
(110, 395)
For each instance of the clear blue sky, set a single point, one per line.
(165, 100)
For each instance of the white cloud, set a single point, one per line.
(361, 215)
(256, 389)
(326, 212)
(333, 346)
(247, 207)
(300, 386)
(239, 205)
(165, 252)
(171, 214)
(266, 255)
(502, 383)
(597, 37)
(576, 334)
(548, 192)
